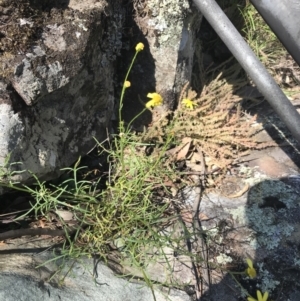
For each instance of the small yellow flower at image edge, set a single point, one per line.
(250, 271)
(127, 84)
(156, 100)
(260, 297)
(189, 103)
(139, 47)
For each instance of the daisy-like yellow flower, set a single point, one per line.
(155, 101)
(127, 84)
(189, 103)
(260, 297)
(139, 47)
(250, 271)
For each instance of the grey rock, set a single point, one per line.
(21, 279)
(61, 93)
(58, 91)
(263, 224)
(168, 29)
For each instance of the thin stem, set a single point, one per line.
(132, 120)
(121, 122)
(123, 93)
(244, 290)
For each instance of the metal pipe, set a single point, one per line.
(247, 59)
(283, 17)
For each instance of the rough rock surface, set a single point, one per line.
(58, 63)
(264, 225)
(168, 29)
(57, 80)
(21, 280)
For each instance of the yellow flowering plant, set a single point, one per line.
(260, 296)
(127, 84)
(189, 103)
(156, 100)
(139, 47)
(250, 271)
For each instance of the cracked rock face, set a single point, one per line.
(56, 87)
(58, 65)
(168, 29)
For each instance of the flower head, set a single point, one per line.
(189, 103)
(127, 84)
(139, 47)
(155, 101)
(250, 271)
(260, 297)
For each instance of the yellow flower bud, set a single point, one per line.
(260, 296)
(250, 271)
(127, 84)
(139, 47)
(189, 103)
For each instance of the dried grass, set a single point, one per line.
(217, 125)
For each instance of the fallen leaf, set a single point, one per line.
(203, 217)
(194, 166)
(187, 216)
(42, 223)
(184, 148)
(195, 157)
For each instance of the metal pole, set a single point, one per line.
(283, 16)
(247, 59)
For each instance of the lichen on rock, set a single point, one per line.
(270, 224)
(169, 27)
(57, 80)
(167, 17)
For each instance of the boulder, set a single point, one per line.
(57, 92)
(262, 224)
(58, 65)
(169, 31)
(56, 80)
(25, 275)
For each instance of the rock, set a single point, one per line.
(22, 280)
(263, 224)
(168, 29)
(58, 69)
(58, 89)
(167, 264)
(57, 93)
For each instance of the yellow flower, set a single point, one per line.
(139, 47)
(250, 271)
(189, 103)
(127, 84)
(260, 297)
(155, 101)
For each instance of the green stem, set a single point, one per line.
(245, 291)
(123, 93)
(238, 273)
(121, 123)
(135, 117)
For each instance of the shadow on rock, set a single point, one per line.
(263, 225)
